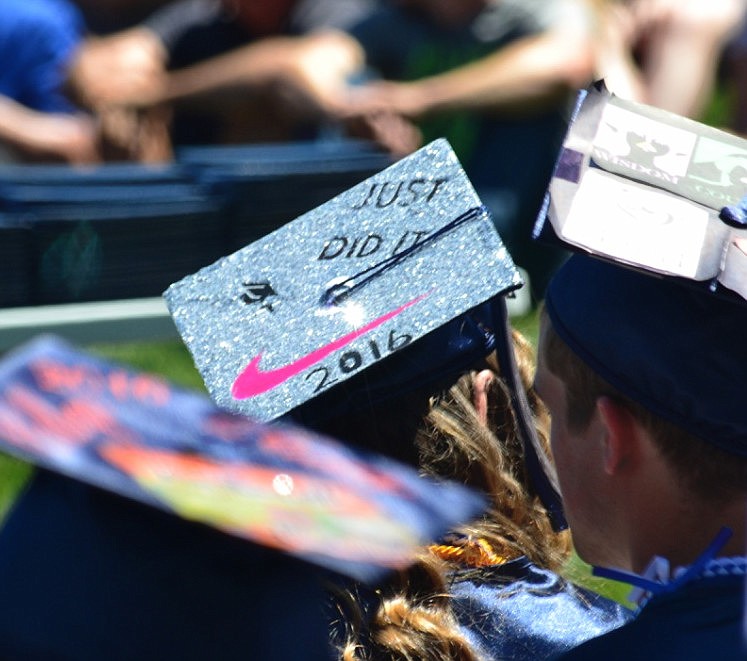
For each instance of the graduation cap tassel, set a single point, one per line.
(541, 473)
(341, 290)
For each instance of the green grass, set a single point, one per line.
(528, 325)
(720, 111)
(13, 475)
(170, 360)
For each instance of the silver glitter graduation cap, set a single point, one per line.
(343, 286)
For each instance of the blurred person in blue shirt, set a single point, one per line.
(38, 121)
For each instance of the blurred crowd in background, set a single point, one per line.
(128, 79)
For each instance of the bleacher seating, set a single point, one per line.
(266, 186)
(16, 265)
(114, 252)
(106, 174)
(120, 231)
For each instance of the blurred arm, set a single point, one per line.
(685, 39)
(47, 136)
(665, 53)
(313, 68)
(124, 68)
(531, 74)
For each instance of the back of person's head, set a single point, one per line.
(436, 425)
(670, 353)
(459, 436)
(395, 345)
(479, 444)
(443, 404)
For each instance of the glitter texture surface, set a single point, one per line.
(341, 287)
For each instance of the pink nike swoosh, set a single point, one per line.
(254, 381)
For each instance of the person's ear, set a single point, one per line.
(480, 387)
(621, 435)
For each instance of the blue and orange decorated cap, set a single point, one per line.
(160, 526)
(90, 575)
(677, 349)
(276, 486)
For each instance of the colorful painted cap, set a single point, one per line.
(676, 349)
(279, 486)
(343, 288)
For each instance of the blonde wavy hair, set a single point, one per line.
(414, 619)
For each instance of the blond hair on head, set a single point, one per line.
(482, 449)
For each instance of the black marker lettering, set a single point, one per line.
(414, 193)
(367, 198)
(326, 379)
(397, 342)
(333, 248)
(353, 247)
(408, 239)
(403, 193)
(370, 245)
(436, 185)
(350, 361)
(381, 202)
(399, 243)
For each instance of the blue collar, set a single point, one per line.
(656, 580)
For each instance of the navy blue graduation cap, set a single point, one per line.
(654, 302)
(119, 550)
(396, 283)
(675, 349)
